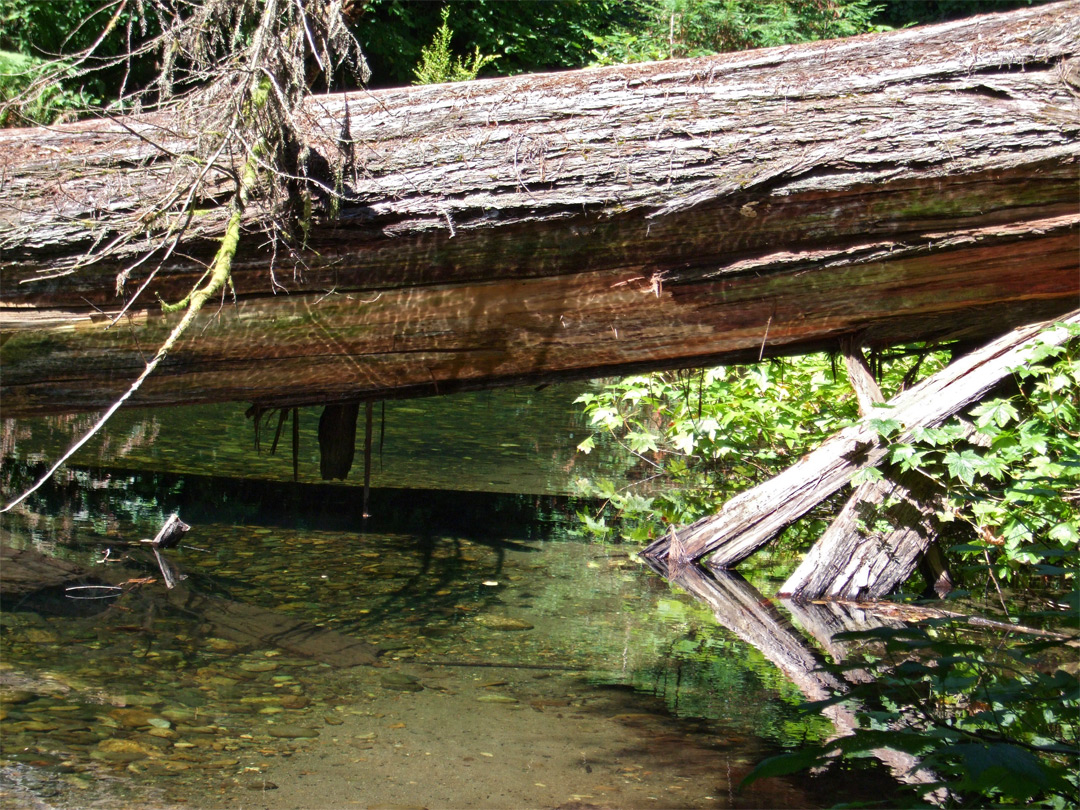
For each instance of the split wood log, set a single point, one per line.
(854, 559)
(740, 608)
(576, 224)
(750, 519)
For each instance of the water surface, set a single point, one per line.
(517, 666)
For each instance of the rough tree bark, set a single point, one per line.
(919, 184)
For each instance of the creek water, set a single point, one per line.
(517, 666)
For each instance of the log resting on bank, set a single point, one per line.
(752, 518)
(919, 184)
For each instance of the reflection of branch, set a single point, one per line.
(172, 576)
(740, 608)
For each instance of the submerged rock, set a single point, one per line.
(400, 682)
(505, 623)
(291, 732)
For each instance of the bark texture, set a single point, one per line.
(919, 184)
(856, 558)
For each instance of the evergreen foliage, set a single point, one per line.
(437, 63)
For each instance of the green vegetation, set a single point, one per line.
(997, 722)
(438, 65)
(667, 29)
(701, 436)
(993, 720)
(520, 37)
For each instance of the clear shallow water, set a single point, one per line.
(516, 667)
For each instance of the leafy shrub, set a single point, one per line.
(700, 436)
(668, 29)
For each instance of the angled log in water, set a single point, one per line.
(752, 518)
(854, 559)
(575, 224)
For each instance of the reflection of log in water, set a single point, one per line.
(824, 620)
(740, 608)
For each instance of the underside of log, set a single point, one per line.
(915, 185)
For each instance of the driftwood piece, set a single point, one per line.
(854, 559)
(750, 519)
(584, 223)
(170, 533)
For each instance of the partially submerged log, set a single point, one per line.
(576, 224)
(750, 519)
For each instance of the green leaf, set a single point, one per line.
(962, 465)
(998, 412)
(884, 427)
(1065, 533)
(784, 764)
(866, 475)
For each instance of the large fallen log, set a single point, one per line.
(750, 519)
(575, 224)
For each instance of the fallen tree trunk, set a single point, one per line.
(750, 519)
(577, 224)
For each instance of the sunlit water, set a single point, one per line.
(517, 667)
